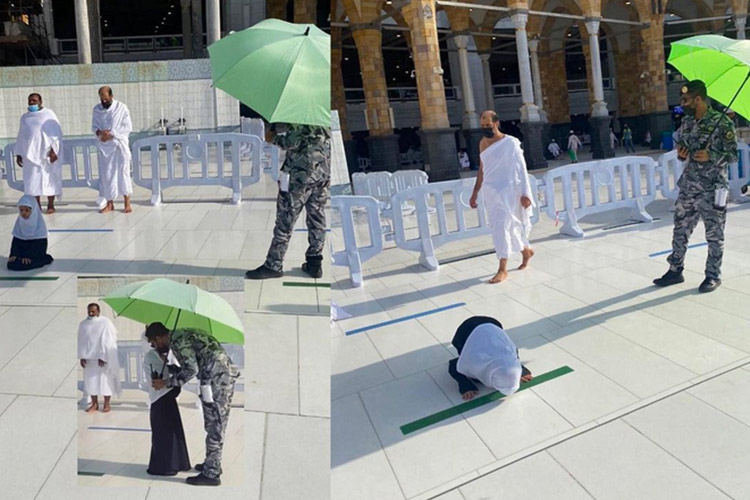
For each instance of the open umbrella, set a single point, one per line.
(178, 305)
(723, 64)
(279, 69)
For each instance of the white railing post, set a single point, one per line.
(353, 256)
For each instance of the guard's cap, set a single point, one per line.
(694, 87)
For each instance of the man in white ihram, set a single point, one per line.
(97, 350)
(38, 151)
(507, 193)
(111, 124)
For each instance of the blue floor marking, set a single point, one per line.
(405, 318)
(305, 230)
(81, 230)
(665, 252)
(118, 429)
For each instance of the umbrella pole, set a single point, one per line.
(724, 113)
(179, 311)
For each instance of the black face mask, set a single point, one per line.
(106, 105)
(488, 132)
(689, 111)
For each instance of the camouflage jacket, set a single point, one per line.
(200, 355)
(308, 154)
(722, 150)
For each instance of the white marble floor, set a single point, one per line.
(656, 405)
(196, 231)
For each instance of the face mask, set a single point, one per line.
(488, 132)
(106, 105)
(688, 111)
(34, 108)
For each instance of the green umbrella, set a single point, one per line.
(178, 305)
(723, 64)
(279, 69)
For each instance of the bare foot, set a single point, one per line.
(500, 276)
(93, 407)
(106, 409)
(107, 208)
(50, 210)
(527, 255)
(128, 209)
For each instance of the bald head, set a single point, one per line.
(490, 124)
(105, 96)
(490, 116)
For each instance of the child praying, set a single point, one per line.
(29, 247)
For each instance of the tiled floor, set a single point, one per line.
(656, 405)
(285, 421)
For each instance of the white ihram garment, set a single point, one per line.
(97, 339)
(114, 154)
(505, 181)
(39, 132)
(490, 356)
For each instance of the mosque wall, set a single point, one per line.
(148, 89)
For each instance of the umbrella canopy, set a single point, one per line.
(177, 305)
(279, 69)
(723, 64)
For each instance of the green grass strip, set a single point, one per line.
(307, 285)
(28, 278)
(477, 402)
(84, 473)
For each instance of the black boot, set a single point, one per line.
(199, 468)
(670, 278)
(263, 273)
(709, 285)
(201, 480)
(314, 266)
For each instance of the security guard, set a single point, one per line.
(305, 182)
(707, 145)
(200, 355)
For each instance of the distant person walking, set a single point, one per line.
(627, 139)
(574, 144)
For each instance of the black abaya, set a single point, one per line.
(169, 453)
(36, 250)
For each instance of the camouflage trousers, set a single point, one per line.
(689, 209)
(313, 198)
(215, 418)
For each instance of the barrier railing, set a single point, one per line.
(627, 173)
(181, 154)
(425, 243)
(133, 376)
(670, 170)
(738, 179)
(270, 157)
(78, 160)
(353, 255)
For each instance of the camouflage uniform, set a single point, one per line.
(308, 163)
(698, 184)
(201, 356)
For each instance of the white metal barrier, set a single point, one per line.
(589, 179)
(353, 255)
(78, 159)
(670, 170)
(270, 157)
(182, 151)
(426, 242)
(131, 353)
(736, 181)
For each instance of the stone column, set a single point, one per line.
(658, 118)
(82, 32)
(537, 78)
(277, 9)
(600, 120)
(305, 11)
(554, 87)
(739, 23)
(187, 29)
(213, 21)
(95, 25)
(489, 89)
(531, 126)
(438, 139)
(471, 120)
(382, 143)
(49, 22)
(338, 99)
(197, 21)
